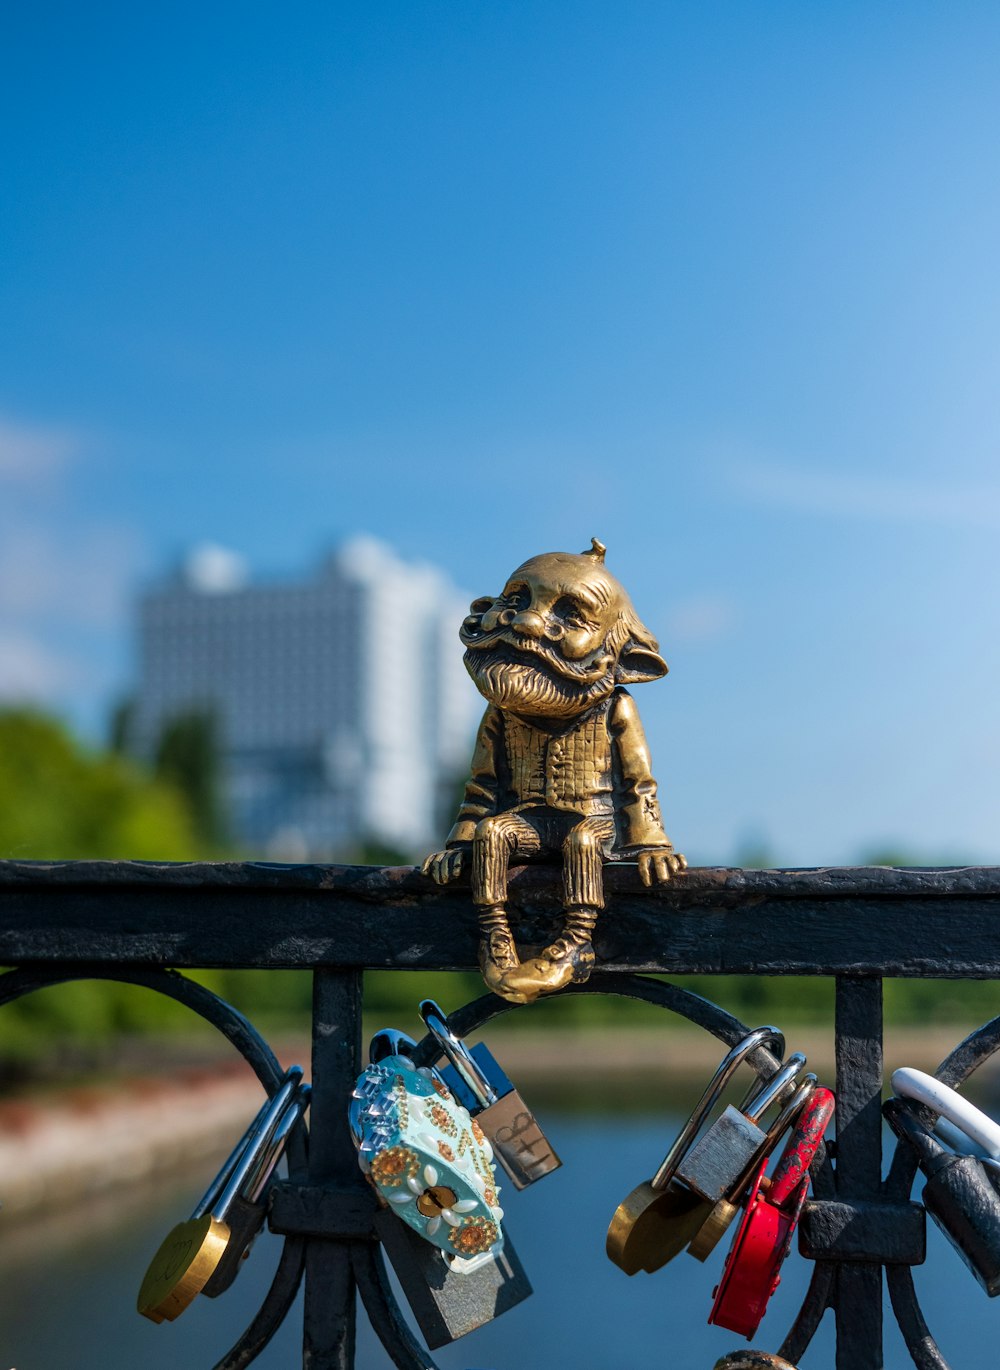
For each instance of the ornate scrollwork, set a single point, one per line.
(259, 1056)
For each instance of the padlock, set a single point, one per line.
(976, 1129)
(479, 1084)
(753, 1265)
(656, 1221)
(958, 1194)
(248, 1209)
(724, 1212)
(753, 1360)
(734, 1141)
(193, 1250)
(440, 1223)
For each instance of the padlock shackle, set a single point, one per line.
(800, 1150)
(258, 1179)
(959, 1142)
(776, 1087)
(932, 1155)
(972, 1121)
(258, 1143)
(389, 1042)
(759, 1037)
(207, 1200)
(459, 1055)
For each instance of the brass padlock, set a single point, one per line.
(659, 1218)
(193, 1250)
(718, 1222)
(476, 1080)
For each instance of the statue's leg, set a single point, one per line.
(570, 958)
(496, 840)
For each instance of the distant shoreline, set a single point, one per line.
(62, 1146)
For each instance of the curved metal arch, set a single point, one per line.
(14, 984)
(376, 1293)
(954, 1070)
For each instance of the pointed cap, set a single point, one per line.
(596, 550)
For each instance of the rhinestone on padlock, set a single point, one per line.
(440, 1224)
(477, 1081)
(195, 1250)
(716, 1161)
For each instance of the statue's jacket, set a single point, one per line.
(596, 765)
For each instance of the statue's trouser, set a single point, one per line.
(584, 842)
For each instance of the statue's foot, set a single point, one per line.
(568, 961)
(497, 957)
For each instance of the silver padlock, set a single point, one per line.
(192, 1252)
(480, 1085)
(449, 1294)
(248, 1207)
(735, 1141)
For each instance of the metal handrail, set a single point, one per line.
(128, 920)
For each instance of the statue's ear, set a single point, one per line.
(479, 606)
(638, 664)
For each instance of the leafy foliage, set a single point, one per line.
(187, 758)
(60, 801)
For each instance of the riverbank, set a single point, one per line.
(61, 1146)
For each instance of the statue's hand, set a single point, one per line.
(659, 863)
(444, 866)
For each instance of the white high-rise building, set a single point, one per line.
(343, 708)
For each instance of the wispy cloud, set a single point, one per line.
(853, 494)
(65, 574)
(32, 453)
(31, 670)
(80, 572)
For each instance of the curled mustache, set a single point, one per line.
(527, 688)
(502, 647)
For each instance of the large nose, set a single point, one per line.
(528, 623)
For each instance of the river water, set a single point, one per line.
(68, 1285)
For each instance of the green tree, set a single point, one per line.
(120, 726)
(58, 800)
(187, 757)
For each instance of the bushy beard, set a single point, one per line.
(537, 691)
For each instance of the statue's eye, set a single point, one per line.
(571, 614)
(516, 597)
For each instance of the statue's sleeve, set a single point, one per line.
(482, 788)
(636, 806)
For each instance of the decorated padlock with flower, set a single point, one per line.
(428, 1159)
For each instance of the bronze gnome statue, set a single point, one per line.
(561, 767)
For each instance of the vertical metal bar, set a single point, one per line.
(858, 1295)
(329, 1324)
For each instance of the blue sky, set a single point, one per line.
(717, 283)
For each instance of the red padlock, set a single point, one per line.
(752, 1270)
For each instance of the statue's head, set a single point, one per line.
(559, 638)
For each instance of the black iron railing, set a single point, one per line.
(144, 922)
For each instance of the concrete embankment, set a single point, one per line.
(59, 1148)
(63, 1146)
